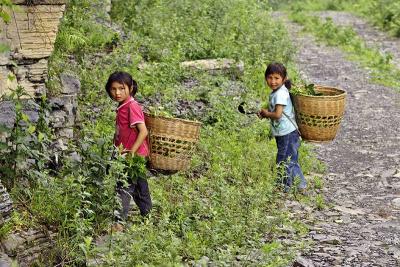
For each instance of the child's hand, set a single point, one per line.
(123, 155)
(263, 113)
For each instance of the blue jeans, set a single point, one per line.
(287, 160)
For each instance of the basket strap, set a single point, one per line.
(294, 124)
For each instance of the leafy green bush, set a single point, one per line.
(27, 140)
(384, 13)
(79, 33)
(187, 30)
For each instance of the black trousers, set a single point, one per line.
(139, 191)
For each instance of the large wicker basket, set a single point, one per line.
(172, 142)
(319, 117)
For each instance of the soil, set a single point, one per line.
(361, 226)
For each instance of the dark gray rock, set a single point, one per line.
(7, 114)
(5, 260)
(5, 205)
(28, 246)
(64, 111)
(303, 262)
(70, 84)
(216, 66)
(5, 58)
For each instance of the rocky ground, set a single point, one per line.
(361, 226)
(372, 35)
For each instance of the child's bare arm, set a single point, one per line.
(142, 134)
(275, 115)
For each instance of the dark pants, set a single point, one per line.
(287, 159)
(139, 191)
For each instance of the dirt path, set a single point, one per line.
(372, 35)
(363, 182)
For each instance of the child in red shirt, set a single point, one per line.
(130, 133)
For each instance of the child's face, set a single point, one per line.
(120, 92)
(275, 81)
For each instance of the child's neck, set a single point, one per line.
(276, 90)
(129, 98)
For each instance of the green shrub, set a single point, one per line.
(385, 14)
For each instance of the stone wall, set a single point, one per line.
(26, 247)
(64, 116)
(30, 34)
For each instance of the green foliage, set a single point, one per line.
(384, 13)
(306, 89)
(74, 203)
(135, 166)
(320, 202)
(159, 111)
(25, 140)
(5, 6)
(158, 41)
(222, 214)
(79, 33)
(319, 5)
(4, 15)
(6, 228)
(318, 182)
(187, 30)
(4, 48)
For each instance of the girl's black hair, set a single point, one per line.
(122, 77)
(278, 68)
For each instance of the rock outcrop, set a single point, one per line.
(30, 35)
(5, 205)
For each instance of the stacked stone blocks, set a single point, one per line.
(30, 34)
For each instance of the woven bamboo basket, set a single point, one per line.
(172, 142)
(319, 117)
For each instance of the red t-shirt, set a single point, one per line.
(128, 114)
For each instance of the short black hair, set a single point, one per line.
(279, 68)
(122, 77)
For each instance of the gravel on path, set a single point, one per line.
(373, 37)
